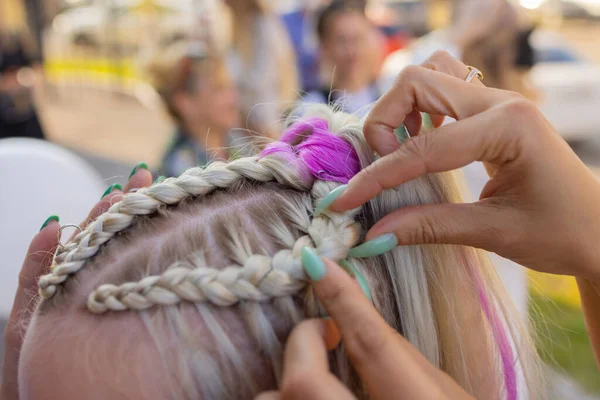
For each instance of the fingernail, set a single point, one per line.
(402, 133)
(313, 264)
(427, 122)
(141, 165)
(355, 272)
(375, 247)
(50, 218)
(114, 186)
(159, 179)
(326, 201)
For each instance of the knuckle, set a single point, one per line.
(514, 96)
(428, 231)
(408, 74)
(297, 385)
(519, 106)
(522, 113)
(333, 297)
(417, 148)
(365, 346)
(438, 60)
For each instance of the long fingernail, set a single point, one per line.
(50, 218)
(135, 169)
(114, 186)
(313, 264)
(402, 133)
(355, 272)
(375, 247)
(427, 122)
(328, 200)
(159, 179)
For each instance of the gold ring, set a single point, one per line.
(474, 73)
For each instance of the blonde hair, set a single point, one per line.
(222, 244)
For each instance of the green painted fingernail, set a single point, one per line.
(326, 201)
(355, 272)
(159, 179)
(141, 165)
(375, 247)
(313, 264)
(50, 218)
(402, 133)
(427, 122)
(114, 186)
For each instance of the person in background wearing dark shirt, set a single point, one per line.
(349, 56)
(18, 116)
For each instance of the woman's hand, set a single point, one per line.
(388, 365)
(37, 262)
(541, 206)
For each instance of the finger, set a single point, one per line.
(413, 122)
(100, 208)
(427, 91)
(437, 120)
(37, 262)
(484, 137)
(306, 372)
(140, 178)
(268, 396)
(477, 225)
(442, 61)
(379, 354)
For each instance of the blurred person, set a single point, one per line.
(18, 115)
(492, 34)
(349, 55)
(263, 64)
(202, 100)
(301, 27)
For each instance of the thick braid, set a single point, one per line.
(195, 182)
(259, 279)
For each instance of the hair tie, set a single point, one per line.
(325, 155)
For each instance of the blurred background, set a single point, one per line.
(90, 88)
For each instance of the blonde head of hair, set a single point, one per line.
(201, 277)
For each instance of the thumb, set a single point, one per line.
(472, 224)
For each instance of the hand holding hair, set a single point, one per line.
(386, 362)
(540, 207)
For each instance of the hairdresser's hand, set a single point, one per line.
(37, 262)
(388, 365)
(541, 207)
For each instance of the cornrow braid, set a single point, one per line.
(259, 278)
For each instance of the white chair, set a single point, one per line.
(38, 179)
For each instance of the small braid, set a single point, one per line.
(332, 234)
(259, 279)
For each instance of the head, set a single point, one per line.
(189, 289)
(345, 37)
(249, 6)
(196, 88)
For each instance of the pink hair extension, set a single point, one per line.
(500, 336)
(323, 154)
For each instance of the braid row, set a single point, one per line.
(194, 182)
(260, 278)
